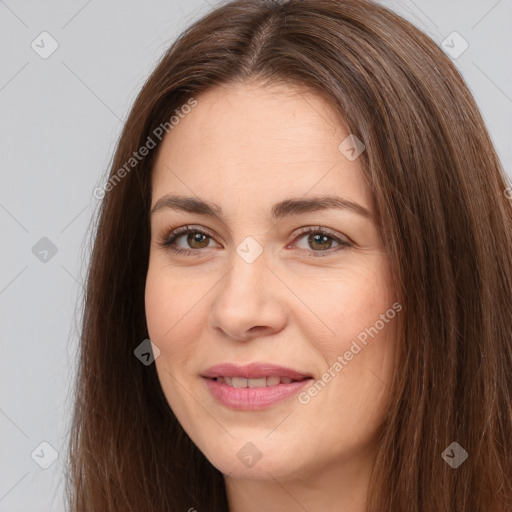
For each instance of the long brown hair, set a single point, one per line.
(439, 189)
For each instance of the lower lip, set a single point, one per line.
(253, 399)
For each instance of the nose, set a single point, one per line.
(248, 301)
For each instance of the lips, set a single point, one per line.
(253, 374)
(253, 387)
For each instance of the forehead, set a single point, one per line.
(257, 141)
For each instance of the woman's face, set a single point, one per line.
(251, 287)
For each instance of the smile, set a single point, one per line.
(244, 394)
(242, 382)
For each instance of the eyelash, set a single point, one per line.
(168, 239)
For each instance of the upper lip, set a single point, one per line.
(253, 371)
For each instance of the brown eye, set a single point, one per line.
(320, 241)
(197, 240)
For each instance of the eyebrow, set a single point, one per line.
(290, 206)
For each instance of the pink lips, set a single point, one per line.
(257, 397)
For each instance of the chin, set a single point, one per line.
(253, 460)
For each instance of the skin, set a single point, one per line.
(246, 147)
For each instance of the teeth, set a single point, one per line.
(273, 381)
(261, 382)
(239, 382)
(257, 383)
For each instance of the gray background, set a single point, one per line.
(60, 120)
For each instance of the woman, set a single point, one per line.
(376, 376)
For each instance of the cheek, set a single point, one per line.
(351, 310)
(345, 302)
(159, 314)
(364, 302)
(174, 316)
(171, 299)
